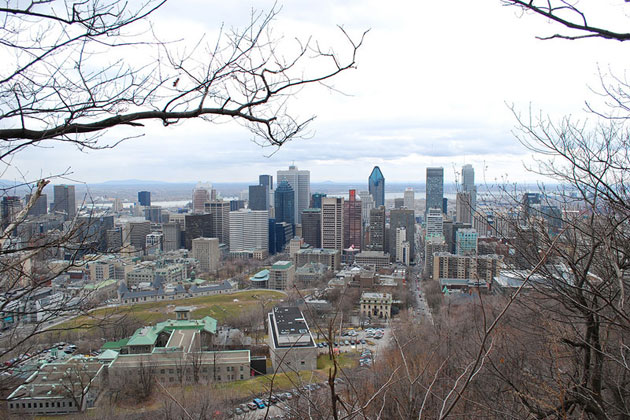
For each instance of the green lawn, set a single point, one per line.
(281, 381)
(344, 360)
(220, 307)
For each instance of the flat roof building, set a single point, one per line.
(291, 344)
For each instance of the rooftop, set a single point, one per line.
(281, 265)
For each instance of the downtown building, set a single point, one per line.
(352, 221)
(312, 227)
(65, 201)
(376, 186)
(249, 233)
(300, 181)
(332, 223)
(434, 189)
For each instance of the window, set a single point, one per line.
(171, 379)
(11, 405)
(204, 370)
(241, 368)
(29, 405)
(219, 378)
(302, 362)
(47, 405)
(171, 371)
(162, 371)
(70, 404)
(241, 376)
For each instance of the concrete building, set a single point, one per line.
(409, 199)
(200, 196)
(434, 189)
(40, 207)
(402, 218)
(312, 227)
(352, 221)
(432, 245)
(300, 181)
(378, 259)
(376, 305)
(282, 275)
(481, 268)
(65, 201)
(468, 185)
(463, 207)
(291, 345)
(172, 236)
(258, 197)
(136, 234)
(329, 257)
(249, 231)
(377, 232)
(403, 249)
(332, 223)
(434, 223)
(367, 204)
(206, 251)
(284, 203)
(153, 214)
(59, 388)
(219, 220)
(154, 241)
(260, 280)
(466, 242)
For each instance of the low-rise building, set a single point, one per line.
(329, 257)
(281, 275)
(377, 259)
(291, 344)
(376, 305)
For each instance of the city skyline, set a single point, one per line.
(463, 116)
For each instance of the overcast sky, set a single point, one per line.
(432, 88)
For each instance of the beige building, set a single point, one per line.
(282, 275)
(477, 268)
(332, 223)
(378, 259)
(291, 345)
(376, 305)
(206, 251)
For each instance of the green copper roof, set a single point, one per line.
(148, 335)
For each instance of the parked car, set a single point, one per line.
(252, 406)
(259, 403)
(238, 411)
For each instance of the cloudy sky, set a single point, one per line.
(433, 87)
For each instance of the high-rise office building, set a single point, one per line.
(220, 217)
(237, 205)
(377, 229)
(202, 194)
(249, 230)
(144, 198)
(402, 246)
(409, 198)
(136, 234)
(312, 227)
(153, 214)
(197, 226)
(434, 189)
(258, 197)
(11, 206)
(402, 218)
(266, 180)
(463, 207)
(316, 200)
(352, 222)
(284, 197)
(399, 203)
(376, 186)
(114, 239)
(332, 223)
(434, 223)
(468, 185)
(40, 207)
(65, 200)
(172, 236)
(300, 181)
(206, 251)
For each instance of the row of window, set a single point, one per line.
(189, 379)
(204, 369)
(47, 404)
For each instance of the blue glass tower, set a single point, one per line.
(285, 203)
(376, 186)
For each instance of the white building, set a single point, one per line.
(332, 223)
(402, 246)
(435, 223)
(409, 198)
(200, 196)
(249, 230)
(300, 181)
(154, 242)
(206, 251)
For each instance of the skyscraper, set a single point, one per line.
(249, 230)
(316, 200)
(409, 198)
(332, 223)
(144, 198)
(220, 226)
(377, 229)
(206, 251)
(64, 200)
(463, 207)
(352, 221)
(258, 197)
(402, 218)
(201, 195)
(266, 180)
(284, 203)
(40, 207)
(468, 185)
(376, 186)
(435, 189)
(312, 227)
(300, 181)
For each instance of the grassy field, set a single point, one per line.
(345, 361)
(220, 307)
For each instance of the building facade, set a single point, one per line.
(434, 189)
(300, 181)
(376, 186)
(332, 223)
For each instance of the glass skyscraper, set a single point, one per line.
(376, 186)
(435, 189)
(285, 203)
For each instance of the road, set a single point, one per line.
(422, 308)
